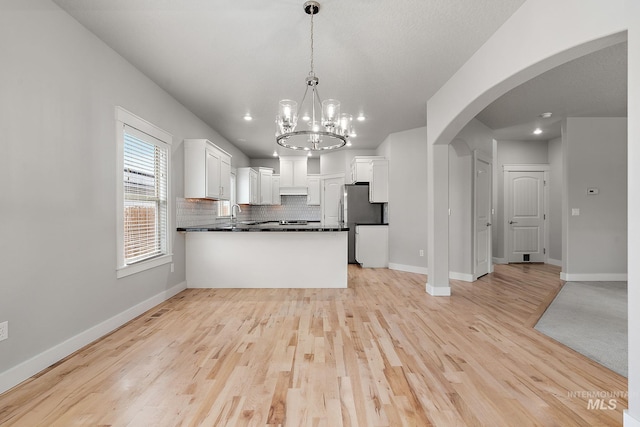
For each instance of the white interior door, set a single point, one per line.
(482, 213)
(525, 216)
(330, 198)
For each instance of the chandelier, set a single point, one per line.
(328, 131)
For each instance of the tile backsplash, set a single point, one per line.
(191, 212)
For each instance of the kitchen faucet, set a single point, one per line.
(233, 217)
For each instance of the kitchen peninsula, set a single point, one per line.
(250, 254)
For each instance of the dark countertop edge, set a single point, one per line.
(369, 223)
(262, 228)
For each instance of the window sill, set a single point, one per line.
(128, 270)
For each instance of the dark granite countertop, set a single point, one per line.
(265, 226)
(369, 223)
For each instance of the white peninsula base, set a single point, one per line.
(266, 259)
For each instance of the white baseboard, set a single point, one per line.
(500, 260)
(14, 376)
(438, 291)
(556, 262)
(461, 276)
(629, 421)
(606, 277)
(408, 268)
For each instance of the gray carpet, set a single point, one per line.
(591, 318)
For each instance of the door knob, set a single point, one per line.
(513, 222)
(488, 224)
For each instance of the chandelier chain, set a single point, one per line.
(311, 72)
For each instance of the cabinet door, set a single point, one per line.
(275, 190)
(225, 177)
(212, 173)
(300, 172)
(379, 184)
(253, 187)
(313, 190)
(286, 173)
(265, 188)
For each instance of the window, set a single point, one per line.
(143, 194)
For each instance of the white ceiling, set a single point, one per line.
(384, 59)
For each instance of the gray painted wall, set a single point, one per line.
(58, 178)
(513, 152)
(595, 156)
(555, 199)
(407, 154)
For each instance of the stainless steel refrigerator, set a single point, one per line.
(356, 209)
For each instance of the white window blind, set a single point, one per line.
(145, 196)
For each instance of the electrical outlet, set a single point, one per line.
(4, 330)
(421, 252)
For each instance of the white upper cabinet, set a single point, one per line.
(265, 185)
(293, 175)
(361, 168)
(379, 183)
(207, 170)
(275, 190)
(313, 190)
(247, 192)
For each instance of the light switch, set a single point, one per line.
(575, 211)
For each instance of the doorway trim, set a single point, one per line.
(506, 199)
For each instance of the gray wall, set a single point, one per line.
(595, 155)
(513, 152)
(59, 86)
(555, 200)
(407, 154)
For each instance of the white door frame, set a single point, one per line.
(479, 155)
(507, 199)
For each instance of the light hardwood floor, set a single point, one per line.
(380, 353)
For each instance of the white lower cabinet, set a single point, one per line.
(372, 246)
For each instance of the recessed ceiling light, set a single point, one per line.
(248, 117)
(309, 154)
(538, 131)
(353, 134)
(348, 143)
(275, 153)
(546, 115)
(361, 118)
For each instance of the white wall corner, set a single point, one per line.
(629, 421)
(438, 291)
(14, 376)
(408, 268)
(556, 262)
